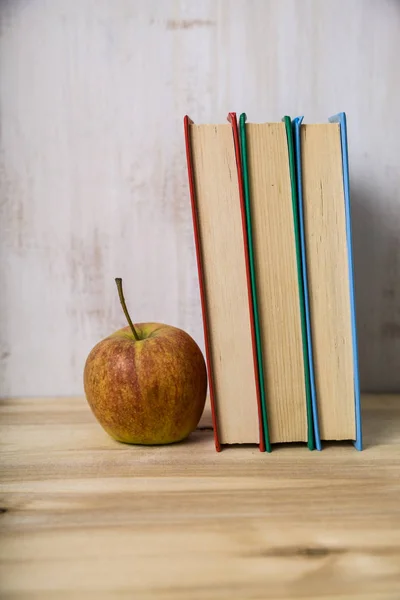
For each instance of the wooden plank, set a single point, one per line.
(84, 516)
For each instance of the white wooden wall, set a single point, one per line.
(93, 180)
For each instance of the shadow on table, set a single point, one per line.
(380, 420)
(376, 255)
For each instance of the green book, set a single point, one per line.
(296, 223)
(246, 187)
(269, 178)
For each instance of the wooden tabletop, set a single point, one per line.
(83, 516)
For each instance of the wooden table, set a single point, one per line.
(85, 517)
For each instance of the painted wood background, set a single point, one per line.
(92, 166)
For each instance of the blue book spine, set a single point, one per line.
(341, 119)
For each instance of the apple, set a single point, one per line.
(146, 383)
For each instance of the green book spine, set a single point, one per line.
(292, 167)
(246, 187)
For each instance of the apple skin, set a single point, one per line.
(150, 391)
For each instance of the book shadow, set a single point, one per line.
(380, 420)
(376, 257)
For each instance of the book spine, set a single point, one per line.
(341, 119)
(235, 131)
(192, 189)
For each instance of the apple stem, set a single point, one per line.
(118, 281)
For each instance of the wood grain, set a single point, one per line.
(328, 277)
(85, 517)
(277, 281)
(223, 259)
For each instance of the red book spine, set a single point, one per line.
(187, 123)
(233, 121)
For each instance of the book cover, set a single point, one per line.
(236, 140)
(246, 189)
(297, 147)
(292, 167)
(341, 119)
(277, 298)
(215, 182)
(192, 192)
(326, 226)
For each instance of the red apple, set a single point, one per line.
(146, 383)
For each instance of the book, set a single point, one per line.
(253, 283)
(328, 250)
(215, 181)
(293, 181)
(297, 145)
(270, 187)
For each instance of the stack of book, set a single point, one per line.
(272, 225)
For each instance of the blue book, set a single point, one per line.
(328, 278)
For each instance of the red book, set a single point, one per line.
(219, 224)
